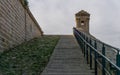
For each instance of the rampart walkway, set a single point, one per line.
(67, 59)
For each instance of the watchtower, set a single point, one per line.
(82, 21)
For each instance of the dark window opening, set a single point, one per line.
(82, 22)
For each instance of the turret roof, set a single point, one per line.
(82, 12)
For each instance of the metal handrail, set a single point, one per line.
(79, 35)
(117, 49)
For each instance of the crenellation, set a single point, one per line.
(17, 24)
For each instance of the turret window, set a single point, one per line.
(82, 23)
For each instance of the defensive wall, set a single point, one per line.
(17, 24)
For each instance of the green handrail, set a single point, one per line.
(95, 54)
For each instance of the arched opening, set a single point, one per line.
(82, 23)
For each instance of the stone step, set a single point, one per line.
(67, 59)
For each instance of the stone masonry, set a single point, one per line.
(17, 24)
(82, 21)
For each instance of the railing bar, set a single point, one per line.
(96, 57)
(90, 55)
(99, 53)
(107, 71)
(104, 68)
(117, 49)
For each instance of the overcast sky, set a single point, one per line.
(58, 17)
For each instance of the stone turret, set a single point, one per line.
(82, 21)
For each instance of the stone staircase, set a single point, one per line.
(67, 59)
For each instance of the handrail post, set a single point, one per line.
(118, 62)
(84, 45)
(103, 61)
(90, 54)
(87, 50)
(95, 58)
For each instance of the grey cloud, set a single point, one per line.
(57, 16)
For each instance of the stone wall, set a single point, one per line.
(17, 24)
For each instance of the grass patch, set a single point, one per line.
(29, 58)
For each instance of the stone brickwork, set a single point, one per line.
(82, 21)
(17, 24)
